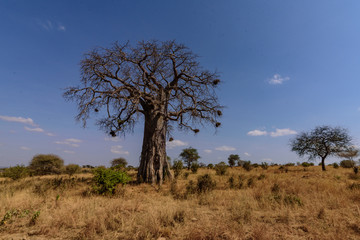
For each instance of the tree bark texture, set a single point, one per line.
(153, 163)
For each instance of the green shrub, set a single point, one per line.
(335, 165)
(119, 163)
(264, 165)
(347, 163)
(186, 175)
(247, 165)
(177, 167)
(106, 180)
(221, 168)
(205, 183)
(289, 164)
(210, 166)
(194, 167)
(17, 172)
(43, 164)
(231, 182)
(71, 169)
(305, 164)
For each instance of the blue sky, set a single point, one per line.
(286, 66)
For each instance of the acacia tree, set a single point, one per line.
(189, 155)
(161, 82)
(232, 159)
(321, 142)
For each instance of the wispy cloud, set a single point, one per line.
(176, 143)
(69, 152)
(25, 148)
(34, 129)
(278, 79)
(73, 142)
(28, 121)
(257, 133)
(277, 133)
(61, 27)
(50, 134)
(225, 148)
(51, 25)
(247, 154)
(282, 132)
(118, 150)
(267, 159)
(208, 151)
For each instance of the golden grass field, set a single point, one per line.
(295, 204)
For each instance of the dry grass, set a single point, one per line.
(269, 204)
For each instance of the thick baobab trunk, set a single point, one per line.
(154, 166)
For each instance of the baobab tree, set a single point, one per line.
(161, 83)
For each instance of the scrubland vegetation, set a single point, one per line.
(270, 202)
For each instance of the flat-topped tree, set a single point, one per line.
(322, 142)
(159, 81)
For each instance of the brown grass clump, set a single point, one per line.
(258, 204)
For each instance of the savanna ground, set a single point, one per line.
(297, 203)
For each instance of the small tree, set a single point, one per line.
(43, 164)
(321, 142)
(119, 163)
(71, 169)
(189, 155)
(194, 167)
(232, 159)
(177, 167)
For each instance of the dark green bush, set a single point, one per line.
(177, 167)
(205, 183)
(247, 165)
(17, 172)
(71, 169)
(221, 168)
(194, 167)
(347, 163)
(305, 164)
(43, 164)
(335, 165)
(264, 165)
(106, 180)
(210, 166)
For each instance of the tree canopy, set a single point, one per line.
(189, 155)
(321, 142)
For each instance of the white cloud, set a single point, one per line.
(282, 132)
(118, 150)
(34, 129)
(247, 154)
(69, 152)
(278, 79)
(28, 121)
(267, 159)
(73, 140)
(257, 133)
(25, 148)
(70, 141)
(176, 143)
(50, 134)
(208, 151)
(225, 148)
